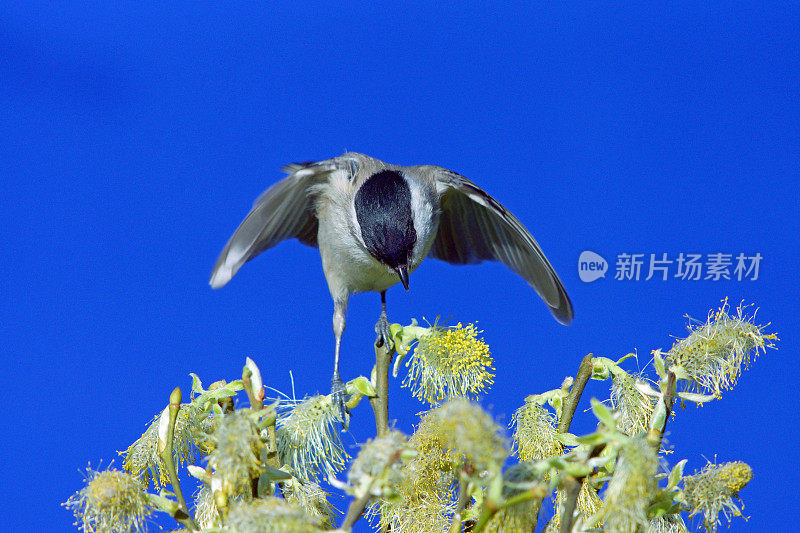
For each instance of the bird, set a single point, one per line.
(374, 223)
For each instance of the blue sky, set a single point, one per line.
(136, 136)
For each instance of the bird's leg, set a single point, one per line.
(384, 336)
(338, 389)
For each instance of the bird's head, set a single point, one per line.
(383, 210)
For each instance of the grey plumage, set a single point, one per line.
(444, 215)
(474, 227)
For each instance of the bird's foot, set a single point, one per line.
(382, 331)
(339, 395)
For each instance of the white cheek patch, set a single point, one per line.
(355, 226)
(422, 211)
(341, 195)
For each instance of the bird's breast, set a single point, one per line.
(348, 266)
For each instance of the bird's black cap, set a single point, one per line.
(383, 210)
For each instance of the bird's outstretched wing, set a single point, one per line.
(474, 227)
(284, 211)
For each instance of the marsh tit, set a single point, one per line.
(374, 223)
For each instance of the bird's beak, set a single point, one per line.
(402, 273)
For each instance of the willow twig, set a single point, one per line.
(573, 487)
(568, 408)
(357, 506)
(380, 402)
(573, 490)
(182, 513)
(463, 497)
(571, 401)
(668, 392)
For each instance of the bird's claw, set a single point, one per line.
(382, 331)
(339, 395)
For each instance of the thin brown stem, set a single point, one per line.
(380, 402)
(668, 393)
(463, 497)
(355, 511)
(573, 490)
(568, 408)
(573, 486)
(536, 494)
(182, 513)
(574, 396)
(272, 453)
(357, 506)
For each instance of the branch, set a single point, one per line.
(463, 497)
(182, 514)
(574, 486)
(380, 407)
(355, 511)
(573, 490)
(574, 396)
(568, 409)
(535, 494)
(380, 402)
(667, 400)
(357, 506)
